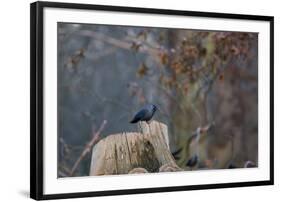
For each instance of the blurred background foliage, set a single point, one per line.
(196, 78)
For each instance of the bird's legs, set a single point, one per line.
(148, 122)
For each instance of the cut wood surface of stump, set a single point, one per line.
(120, 153)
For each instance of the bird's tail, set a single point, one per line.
(134, 120)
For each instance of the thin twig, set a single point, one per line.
(88, 147)
(117, 42)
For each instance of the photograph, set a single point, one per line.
(145, 100)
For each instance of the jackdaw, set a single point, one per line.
(192, 162)
(145, 114)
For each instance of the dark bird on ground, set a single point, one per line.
(192, 162)
(145, 114)
(231, 166)
(176, 154)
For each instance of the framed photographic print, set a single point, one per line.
(136, 100)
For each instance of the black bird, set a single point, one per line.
(231, 166)
(145, 114)
(176, 154)
(192, 161)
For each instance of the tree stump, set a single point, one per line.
(121, 153)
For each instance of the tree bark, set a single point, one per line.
(146, 150)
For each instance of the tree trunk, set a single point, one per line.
(138, 152)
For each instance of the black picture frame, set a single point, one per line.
(37, 98)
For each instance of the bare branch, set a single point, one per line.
(87, 149)
(118, 43)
